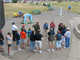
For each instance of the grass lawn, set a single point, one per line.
(10, 8)
(75, 6)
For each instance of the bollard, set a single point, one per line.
(60, 11)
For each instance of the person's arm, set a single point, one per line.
(15, 27)
(44, 26)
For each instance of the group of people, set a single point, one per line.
(34, 37)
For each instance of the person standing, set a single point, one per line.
(38, 42)
(9, 39)
(67, 38)
(58, 40)
(23, 38)
(60, 27)
(1, 41)
(14, 28)
(51, 39)
(18, 40)
(69, 8)
(52, 25)
(32, 41)
(63, 32)
(29, 33)
(36, 27)
(23, 27)
(45, 27)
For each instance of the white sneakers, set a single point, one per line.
(40, 52)
(19, 49)
(36, 51)
(50, 50)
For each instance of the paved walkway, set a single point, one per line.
(69, 18)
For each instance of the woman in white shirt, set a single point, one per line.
(9, 38)
(67, 38)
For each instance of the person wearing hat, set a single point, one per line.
(60, 27)
(1, 41)
(67, 38)
(14, 28)
(51, 39)
(36, 27)
(23, 27)
(38, 42)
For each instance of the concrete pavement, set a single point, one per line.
(68, 18)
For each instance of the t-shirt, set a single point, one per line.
(68, 33)
(38, 36)
(1, 36)
(8, 38)
(23, 35)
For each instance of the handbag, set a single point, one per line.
(46, 27)
(8, 42)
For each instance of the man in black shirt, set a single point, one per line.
(38, 42)
(1, 41)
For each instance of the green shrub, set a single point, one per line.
(14, 1)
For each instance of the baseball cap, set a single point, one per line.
(23, 25)
(13, 22)
(51, 29)
(68, 28)
(37, 21)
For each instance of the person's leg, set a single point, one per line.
(49, 44)
(28, 41)
(57, 44)
(2, 43)
(40, 46)
(36, 45)
(31, 44)
(22, 42)
(68, 41)
(63, 39)
(52, 44)
(13, 35)
(8, 51)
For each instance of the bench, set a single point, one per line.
(50, 8)
(36, 12)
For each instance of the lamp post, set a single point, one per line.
(2, 17)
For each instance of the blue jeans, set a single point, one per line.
(67, 42)
(32, 45)
(58, 44)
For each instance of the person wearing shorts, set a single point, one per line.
(18, 40)
(38, 42)
(9, 38)
(1, 41)
(23, 38)
(51, 39)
